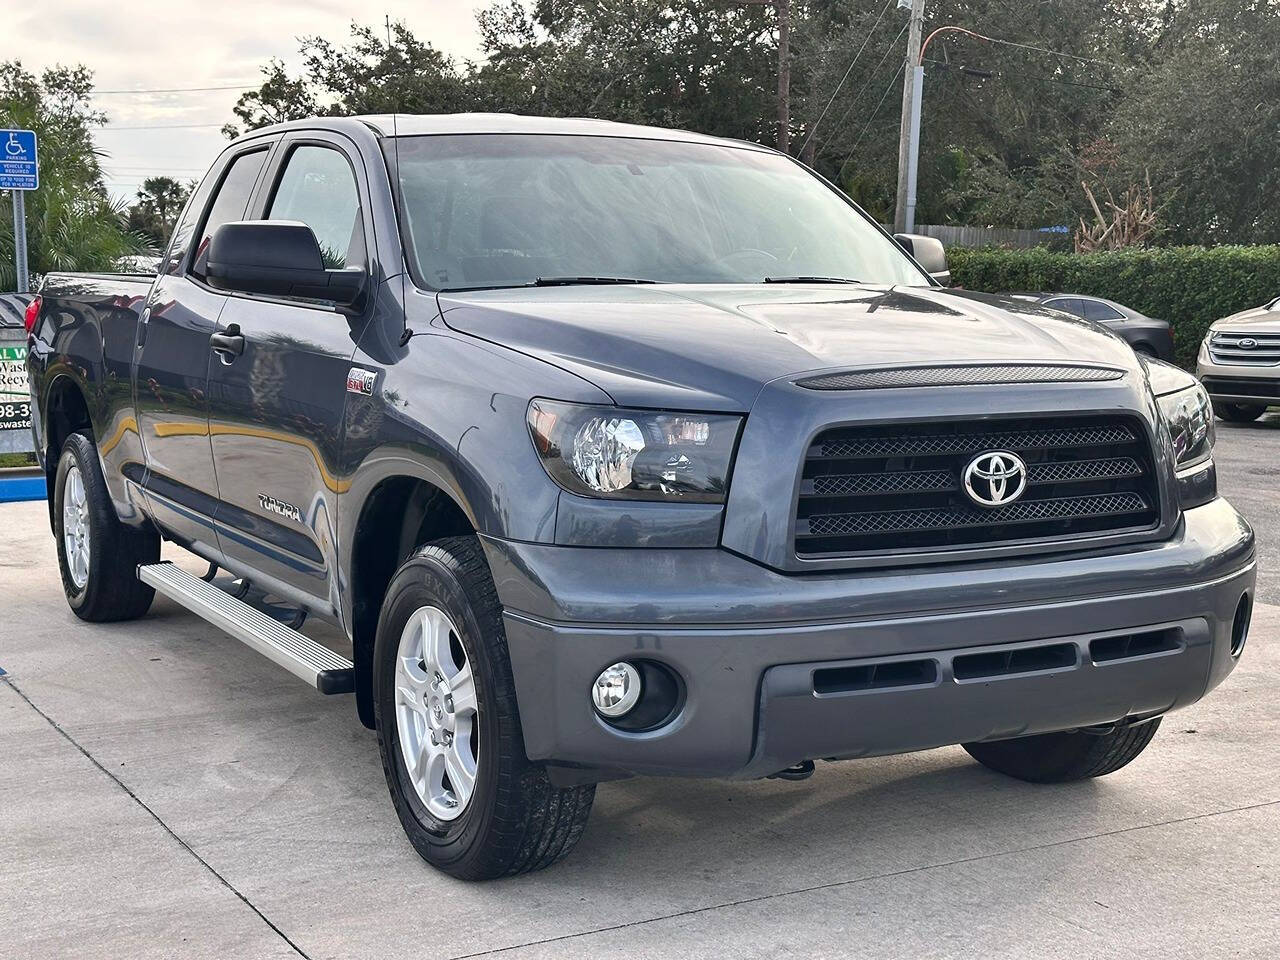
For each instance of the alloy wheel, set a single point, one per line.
(75, 527)
(436, 713)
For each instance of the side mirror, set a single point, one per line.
(278, 258)
(929, 253)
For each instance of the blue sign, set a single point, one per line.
(18, 160)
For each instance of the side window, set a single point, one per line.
(1067, 305)
(1097, 310)
(319, 189)
(230, 202)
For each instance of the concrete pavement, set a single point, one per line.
(165, 792)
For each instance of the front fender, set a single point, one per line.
(450, 410)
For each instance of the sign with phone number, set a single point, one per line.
(15, 395)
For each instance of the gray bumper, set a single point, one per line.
(1238, 382)
(747, 642)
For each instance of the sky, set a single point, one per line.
(180, 44)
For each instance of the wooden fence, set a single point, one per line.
(953, 236)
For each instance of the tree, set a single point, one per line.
(280, 98)
(72, 223)
(156, 210)
(1205, 119)
(1093, 91)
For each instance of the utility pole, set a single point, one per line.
(20, 239)
(783, 8)
(784, 75)
(904, 217)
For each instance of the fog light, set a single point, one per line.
(616, 690)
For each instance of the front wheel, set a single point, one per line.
(1239, 412)
(470, 801)
(1063, 757)
(97, 554)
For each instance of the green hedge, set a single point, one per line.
(1188, 286)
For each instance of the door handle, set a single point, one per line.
(228, 345)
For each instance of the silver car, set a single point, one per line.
(1239, 363)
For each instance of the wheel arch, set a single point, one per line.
(66, 411)
(399, 513)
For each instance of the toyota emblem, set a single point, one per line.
(1246, 343)
(995, 479)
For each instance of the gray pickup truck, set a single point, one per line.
(614, 450)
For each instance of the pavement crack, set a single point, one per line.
(13, 685)
(854, 881)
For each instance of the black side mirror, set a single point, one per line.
(278, 258)
(929, 253)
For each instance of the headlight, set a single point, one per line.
(1189, 414)
(634, 454)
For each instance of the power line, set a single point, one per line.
(867, 125)
(233, 86)
(995, 73)
(854, 102)
(852, 64)
(111, 128)
(1011, 43)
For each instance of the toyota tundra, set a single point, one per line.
(618, 451)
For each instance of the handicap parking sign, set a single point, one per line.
(18, 160)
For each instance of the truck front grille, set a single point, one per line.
(1245, 349)
(898, 488)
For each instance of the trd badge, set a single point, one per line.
(361, 381)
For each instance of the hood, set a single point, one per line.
(703, 347)
(1264, 319)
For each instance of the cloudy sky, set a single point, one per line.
(179, 44)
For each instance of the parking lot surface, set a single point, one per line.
(165, 792)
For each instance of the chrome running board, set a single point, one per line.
(325, 670)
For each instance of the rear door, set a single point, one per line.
(172, 357)
(276, 409)
(1101, 312)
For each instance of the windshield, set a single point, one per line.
(482, 210)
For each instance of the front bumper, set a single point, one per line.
(747, 642)
(1238, 382)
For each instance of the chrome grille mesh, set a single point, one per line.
(955, 375)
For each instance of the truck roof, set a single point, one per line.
(412, 124)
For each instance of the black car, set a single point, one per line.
(1147, 336)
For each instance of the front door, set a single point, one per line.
(276, 407)
(172, 360)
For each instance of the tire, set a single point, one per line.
(1239, 412)
(1063, 757)
(510, 819)
(100, 582)
(1146, 350)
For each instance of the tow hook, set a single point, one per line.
(799, 771)
(1104, 729)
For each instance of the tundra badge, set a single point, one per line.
(280, 507)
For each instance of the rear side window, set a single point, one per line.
(1067, 304)
(229, 203)
(318, 188)
(1097, 310)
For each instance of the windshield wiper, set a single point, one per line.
(809, 280)
(576, 281)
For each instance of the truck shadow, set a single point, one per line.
(852, 821)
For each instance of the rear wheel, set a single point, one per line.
(98, 555)
(470, 801)
(1063, 757)
(1239, 412)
